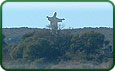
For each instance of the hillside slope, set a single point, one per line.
(14, 35)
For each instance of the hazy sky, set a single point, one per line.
(76, 14)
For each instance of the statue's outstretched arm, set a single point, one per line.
(60, 20)
(49, 18)
(63, 19)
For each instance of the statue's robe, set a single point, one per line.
(54, 22)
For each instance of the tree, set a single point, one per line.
(27, 35)
(76, 43)
(17, 51)
(5, 50)
(38, 45)
(92, 41)
(3, 42)
(64, 46)
(106, 42)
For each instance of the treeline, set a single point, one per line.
(43, 49)
(15, 34)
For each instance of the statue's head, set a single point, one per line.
(54, 14)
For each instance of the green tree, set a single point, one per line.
(76, 43)
(38, 45)
(3, 42)
(92, 42)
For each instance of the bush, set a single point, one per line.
(41, 47)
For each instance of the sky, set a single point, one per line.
(76, 14)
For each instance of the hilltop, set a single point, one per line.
(14, 35)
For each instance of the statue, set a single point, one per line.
(54, 23)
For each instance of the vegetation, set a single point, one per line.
(45, 50)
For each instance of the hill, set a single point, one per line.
(76, 48)
(14, 35)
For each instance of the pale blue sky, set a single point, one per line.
(76, 14)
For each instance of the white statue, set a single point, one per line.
(54, 22)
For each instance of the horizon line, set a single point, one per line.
(48, 28)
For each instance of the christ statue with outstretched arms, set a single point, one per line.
(54, 22)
